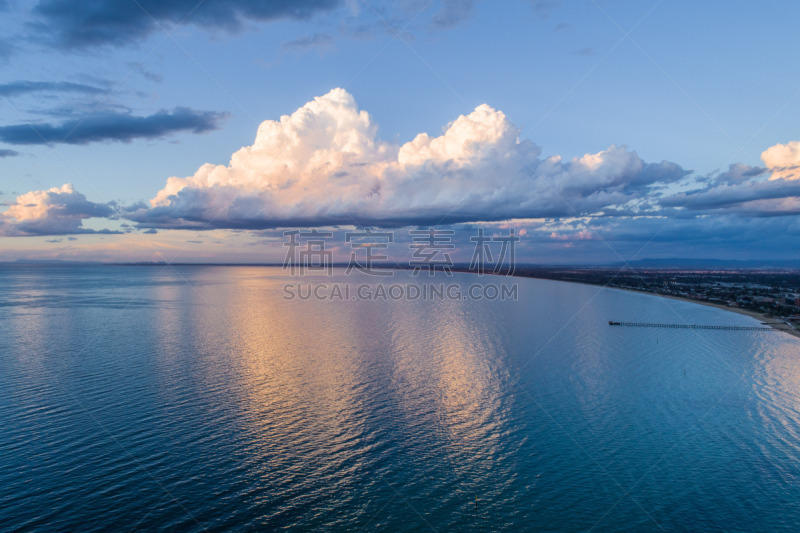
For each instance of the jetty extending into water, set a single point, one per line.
(691, 326)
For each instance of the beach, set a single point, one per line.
(758, 316)
(761, 317)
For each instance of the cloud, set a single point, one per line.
(404, 19)
(740, 173)
(783, 160)
(751, 198)
(6, 49)
(4, 152)
(745, 191)
(618, 239)
(111, 22)
(321, 41)
(544, 7)
(146, 74)
(453, 13)
(17, 88)
(57, 211)
(110, 126)
(325, 164)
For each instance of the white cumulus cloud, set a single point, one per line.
(325, 164)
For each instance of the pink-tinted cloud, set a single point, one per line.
(783, 160)
(57, 211)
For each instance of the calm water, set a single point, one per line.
(197, 398)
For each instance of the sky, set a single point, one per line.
(598, 131)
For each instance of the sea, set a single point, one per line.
(238, 398)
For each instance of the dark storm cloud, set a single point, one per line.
(113, 127)
(119, 22)
(8, 153)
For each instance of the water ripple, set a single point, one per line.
(196, 398)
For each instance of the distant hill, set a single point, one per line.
(691, 263)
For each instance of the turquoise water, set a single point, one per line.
(198, 398)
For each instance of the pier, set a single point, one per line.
(691, 326)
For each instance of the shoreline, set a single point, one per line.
(752, 314)
(738, 310)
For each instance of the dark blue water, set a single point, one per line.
(198, 398)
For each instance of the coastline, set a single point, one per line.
(752, 314)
